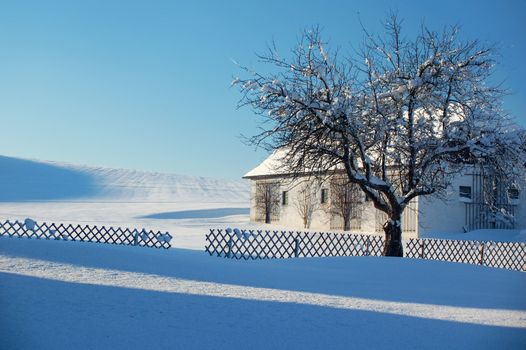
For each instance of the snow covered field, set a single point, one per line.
(185, 206)
(73, 295)
(65, 295)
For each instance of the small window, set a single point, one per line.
(464, 192)
(324, 195)
(513, 193)
(285, 197)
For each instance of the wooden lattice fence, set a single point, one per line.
(507, 255)
(86, 233)
(260, 244)
(264, 244)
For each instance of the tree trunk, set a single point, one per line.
(267, 216)
(393, 238)
(346, 224)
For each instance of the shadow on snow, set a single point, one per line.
(198, 214)
(25, 180)
(70, 315)
(364, 277)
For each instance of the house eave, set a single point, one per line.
(292, 175)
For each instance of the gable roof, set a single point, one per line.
(272, 166)
(276, 165)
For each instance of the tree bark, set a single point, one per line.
(393, 238)
(346, 224)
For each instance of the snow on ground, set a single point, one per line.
(73, 295)
(63, 295)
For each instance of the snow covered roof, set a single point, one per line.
(271, 166)
(276, 165)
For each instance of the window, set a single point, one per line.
(285, 197)
(513, 193)
(324, 195)
(464, 192)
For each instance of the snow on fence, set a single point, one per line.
(265, 244)
(86, 233)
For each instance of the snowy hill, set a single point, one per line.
(29, 180)
(185, 206)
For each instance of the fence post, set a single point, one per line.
(135, 237)
(422, 254)
(296, 247)
(230, 244)
(482, 254)
(367, 249)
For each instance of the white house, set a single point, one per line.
(462, 210)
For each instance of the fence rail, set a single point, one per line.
(264, 244)
(86, 233)
(507, 255)
(259, 244)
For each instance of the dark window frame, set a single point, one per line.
(284, 197)
(465, 192)
(513, 193)
(324, 196)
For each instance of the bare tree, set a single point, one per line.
(306, 203)
(267, 200)
(400, 117)
(346, 198)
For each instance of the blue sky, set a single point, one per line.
(146, 84)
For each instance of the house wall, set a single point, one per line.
(289, 215)
(252, 201)
(440, 216)
(423, 217)
(321, 219)
(521, 212)
(449, 215)
(443, 216)
(369, 218)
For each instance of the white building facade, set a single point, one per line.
(463, 208)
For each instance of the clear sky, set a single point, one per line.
(146, 84)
